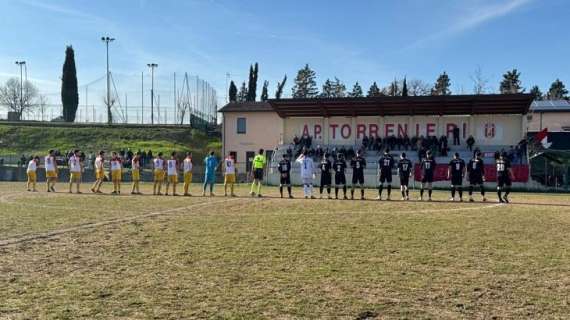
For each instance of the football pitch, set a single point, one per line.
(68, 256)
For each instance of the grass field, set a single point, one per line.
(68, 256)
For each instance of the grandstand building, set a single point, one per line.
(495, 122)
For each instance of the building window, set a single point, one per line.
(241, 126)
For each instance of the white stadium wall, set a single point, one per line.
(486, 129)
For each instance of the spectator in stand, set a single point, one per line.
(378, 145)
(442, 145)
(365, 142)
(470, 142)
(296, 140)
(421, 153)
(420, 143)
(406, 142)
(398, 142)
(414, 143)
(319, 151)
(456, 133)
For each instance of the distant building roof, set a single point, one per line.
(550, 106)
(389, 106)
(247, 107)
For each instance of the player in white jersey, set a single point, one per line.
(159, 167)
(229, 175)
(99, 172)
(172, 173)
(116, 173)
(32, 173)
(307, 174)
(74, 171)
(136, 173)
(187, 167)
(51, 171)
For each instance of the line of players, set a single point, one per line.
(457, 170)
(166, 171)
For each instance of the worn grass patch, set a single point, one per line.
(174, 258)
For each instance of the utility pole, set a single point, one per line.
(21, 64)
(142, 97)
(109, 114)
(152, 66)
(86, 103)
(228, 76)
(126, 109)
(175, 106)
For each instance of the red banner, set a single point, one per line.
(521, 173)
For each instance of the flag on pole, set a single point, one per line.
(542, 137)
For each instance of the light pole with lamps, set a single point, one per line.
(21, 64)
(152, 66)
(109, 114)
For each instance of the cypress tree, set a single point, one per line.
(264, 93)
(69, 91)
(233, 92)
(280, 86)
(405, 89)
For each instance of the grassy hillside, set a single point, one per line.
(38, 139)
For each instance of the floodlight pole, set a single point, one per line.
(21, 64)
(109, 117)
(152, 66)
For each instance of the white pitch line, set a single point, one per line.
(91, 225)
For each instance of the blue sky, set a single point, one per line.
(361, 41)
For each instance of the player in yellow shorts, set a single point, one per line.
(32, 174)
(99, 172)
(159, 167)
(187, 167)
(116, 173)
(51, 171)
(172, 171)
(229, 175)
(74, 171)
(136, 173)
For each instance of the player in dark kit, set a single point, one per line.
(456, 171)
(476, 174)
(358, 165)
(339, 167)
(385, 165)
(326, 179)
(284, 168)
(405, 172)
(428, 167)
(504, 177)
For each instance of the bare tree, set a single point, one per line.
(480, 83)
(17, 100)
(41, 106)
(418, 87)
(109, 105)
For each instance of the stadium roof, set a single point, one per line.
(391, 106)
(246, 107)
(550, 106)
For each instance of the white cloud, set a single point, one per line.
(476, 14)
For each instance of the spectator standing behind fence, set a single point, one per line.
(456, 133)
(470, 142)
